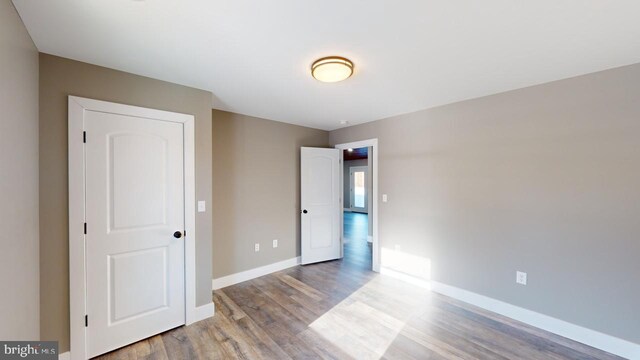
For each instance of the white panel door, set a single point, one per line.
(320, 200)
(135, 221)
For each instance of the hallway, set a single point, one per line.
(356, 248)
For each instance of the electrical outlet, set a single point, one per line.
(257, 247)
(384, 198)
(521, 277)
(202, 207)
(275, 243)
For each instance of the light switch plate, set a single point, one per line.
(275, 243)
(202, 207)
(384, 197)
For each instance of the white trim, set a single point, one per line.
(203, 312)
(375, 263)
(242, 276)
(65, 356)
(369, 238)
(190, 221)
(574, 332)
(77, 282)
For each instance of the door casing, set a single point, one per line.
(373, 197)
(77, 268)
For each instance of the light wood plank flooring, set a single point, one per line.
(341, 310)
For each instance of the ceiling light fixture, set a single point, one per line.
(332, 69)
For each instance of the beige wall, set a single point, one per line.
(19, 302)
(544, 179)
(62, 77)
(256, 190)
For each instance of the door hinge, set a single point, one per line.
(84, 136)
(86, 320)
(85, 228)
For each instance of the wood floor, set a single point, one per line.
(341, 310)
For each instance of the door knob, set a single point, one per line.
(304, 211)
(177, 234)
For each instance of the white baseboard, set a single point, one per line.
(577, 333)
(64, 356)
(203, 312)
(253, 273)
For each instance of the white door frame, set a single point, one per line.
(77, 269)
(373, 143)
(365, 169)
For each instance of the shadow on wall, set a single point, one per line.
(225, 164)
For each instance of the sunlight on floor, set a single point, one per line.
(366, 323)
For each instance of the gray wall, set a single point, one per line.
(62, 77)
(19, 302)
(544, 179)
(256, 190)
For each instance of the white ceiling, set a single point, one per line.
(254, 56)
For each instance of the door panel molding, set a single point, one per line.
(320, 202)
(77, 107)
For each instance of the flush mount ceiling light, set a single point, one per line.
(332, 69)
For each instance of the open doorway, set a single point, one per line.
(359, 200)
(356, 230)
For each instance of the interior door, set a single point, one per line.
(134, 230)
(358, 188)
(320, 200)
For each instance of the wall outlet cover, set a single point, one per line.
(257, 247)
(275, 243)
(202, 206)
(521, 277)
